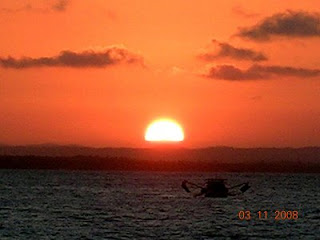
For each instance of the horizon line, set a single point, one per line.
(160, 146)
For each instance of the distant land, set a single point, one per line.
(228, 159)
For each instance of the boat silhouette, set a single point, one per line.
(215, 188)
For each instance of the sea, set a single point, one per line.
(42, 204)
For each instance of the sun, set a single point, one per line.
(164, 130)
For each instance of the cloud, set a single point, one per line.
(229, 72)
(27, 7)
(256, 98)
(60, 5)
(56, 5)
(287, 71)
(227, 50)
(244, 13)
(177, 70)
(86, 59)
(288, 24)
(257, 72)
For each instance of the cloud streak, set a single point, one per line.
(27, 7)
(227, 50)
(60, 5)
(244, 13)
(287, 24)
(86, 59)
(258, 72)
(57, 6)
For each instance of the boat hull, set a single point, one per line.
(216, 195)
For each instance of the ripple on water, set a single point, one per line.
(145, 205)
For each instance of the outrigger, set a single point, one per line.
(215, 188)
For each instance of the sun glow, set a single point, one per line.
(164, 130)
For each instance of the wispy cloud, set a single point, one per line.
(55, 5)
(26, 7)
(257, 72)
(227, 50)
(244, 13)
(86, 59)
(60, 5)
(256, 98)
(288, 24)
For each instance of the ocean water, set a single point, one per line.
(152, 205)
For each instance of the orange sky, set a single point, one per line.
(130, 62)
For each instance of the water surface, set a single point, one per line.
(152, 205)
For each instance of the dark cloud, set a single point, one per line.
(229, 72)
(110, 56)
(227, 50)
(287, 71)
(256, 72)
(289, 24)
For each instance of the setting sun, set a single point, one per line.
(164, 130)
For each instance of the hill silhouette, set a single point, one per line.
(73, 157)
